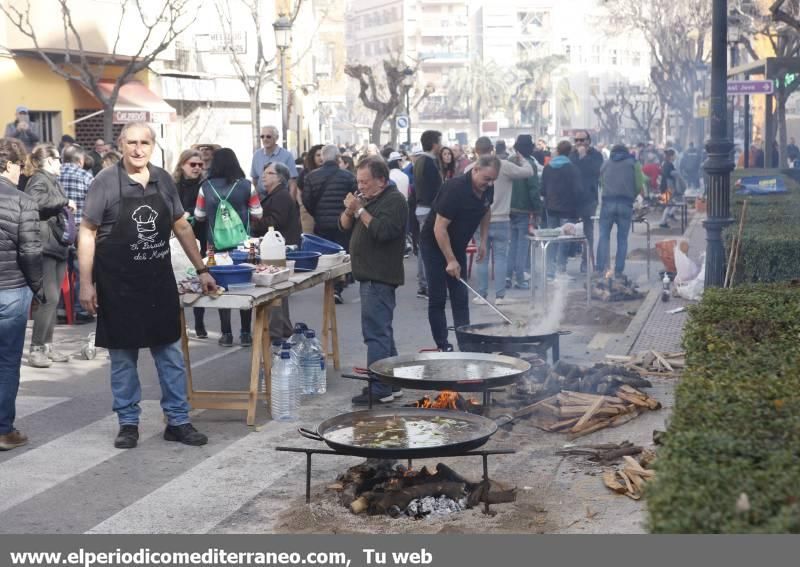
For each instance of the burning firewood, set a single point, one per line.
(652, 362)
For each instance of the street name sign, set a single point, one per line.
(750, 87)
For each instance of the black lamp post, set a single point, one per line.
(719, 165)
(408, 82)
(283, 38)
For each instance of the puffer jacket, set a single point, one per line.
(562, 187)
(323, 195)
(45, 189)
(20, 246)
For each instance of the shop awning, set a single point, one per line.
(137, 103)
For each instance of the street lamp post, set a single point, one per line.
(283, 39)
(719, 165)
(408, 82)
(734, 32)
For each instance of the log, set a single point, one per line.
(610, 480)
(635, 400)
(663, 361)
(359, 505)
(527, 410)
(493, 493)
(590, 429)
(380, 502)
(588, 415)
(630, 488)
(647, 458)
(636, 480)
(620, 358)
(633, 464)
(579, 411)
(564, 424)
(612, 455)
(624, 418)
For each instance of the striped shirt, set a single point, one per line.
(75, 181)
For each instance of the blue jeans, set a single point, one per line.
(611, 213)
(555, 221)
(127, 390)
(496, 246)
(14, 307)
(519, 249)
(421, 279)
(439, 285)
(377, 312)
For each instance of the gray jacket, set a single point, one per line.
(619, 179)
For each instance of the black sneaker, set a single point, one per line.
(663, 225)
(337, 298)
(363, 399)
(422, 293)
(186, 434)
(246, 339)
(128, 437)
(226, 340)
(200, 331)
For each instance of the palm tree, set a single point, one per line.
(480, 87)
(531, 88)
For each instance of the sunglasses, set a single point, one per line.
(266, 136)
(580, 139)
(195, 164)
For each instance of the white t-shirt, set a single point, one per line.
(401, 180)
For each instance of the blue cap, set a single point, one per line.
(277, 342)
(285, 354)
(310, 334)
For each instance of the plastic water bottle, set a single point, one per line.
(309, 364)
(277, 345)
(284, 401)
(316, 357)
(665, 288)
(297, 371)
(275, 354)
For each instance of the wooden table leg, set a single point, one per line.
(255, 363)
(266, 355)
(186, 361)
(330, 333)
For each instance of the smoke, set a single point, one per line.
(545, 319)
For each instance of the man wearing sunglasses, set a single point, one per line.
(588, 161)
(271, 152)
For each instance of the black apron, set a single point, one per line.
(138, 304)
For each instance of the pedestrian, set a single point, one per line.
(562, 191)
(690, 166)
(652, 170)
(396, 173)
(346, 163)
(20, 280)
(427, 181)
(97, 153)
(496, 241)
(226, 181)
(127, 279)
(621, 184)
(500, 149)
(311, 161)
(187, 175)
(542, 153)
(526, 203)
(377, 219)
(43, 167)
(112, 157)
(588, 161)
(463, 204)
(461, 158)
(23, 129)
(283, 214)
(75, 181)
(668, 186)
(792, 152)
(66, 141)
(447, 163)
(324, 192)
(206, 150)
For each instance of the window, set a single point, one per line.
(595, 54)
(594, 86)
(614, 57)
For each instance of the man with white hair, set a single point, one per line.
(126, 278)
(272, 152)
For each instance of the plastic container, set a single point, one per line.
(240, 257)
(248, 286)
(304, 261)
(273, 248)
(315, 363)
(314, 243)
(268, 279)
(328, 261)
(284, 403)
(226, 275)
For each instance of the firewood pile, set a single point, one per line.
(578, 413)
(652, 362)
(615, 289)
(599, 379)
(631, 479)
(380, 486)
(604, 454)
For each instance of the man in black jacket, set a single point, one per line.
(588, 161)
(427, 182)
(562, 190)
(324, 191)
(20, 279)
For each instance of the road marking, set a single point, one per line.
(202, 497)
(28, 405)
(214, 357)
(44, 467)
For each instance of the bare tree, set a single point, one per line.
(788, 16)
(157, 28)
(676, 33)
(609, 112)
(644, 110)
(381, 94)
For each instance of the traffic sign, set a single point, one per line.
(750, 87)
(401, 121)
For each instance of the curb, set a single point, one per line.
(624, 344)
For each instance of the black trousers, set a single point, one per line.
(439, 285)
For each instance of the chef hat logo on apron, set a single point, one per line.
(145, 219)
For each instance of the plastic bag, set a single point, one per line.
(181, 265)
(693, 289)
(686, 269)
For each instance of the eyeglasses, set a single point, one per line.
(266, 136)
(195, 164)
(580, 139)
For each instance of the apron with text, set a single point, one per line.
(138, 304)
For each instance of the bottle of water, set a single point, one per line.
(284, 402)
(297, 371)
(316, 357)
(275, 355)
(308, 365)
(277, 345)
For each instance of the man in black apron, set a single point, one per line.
(127, 279)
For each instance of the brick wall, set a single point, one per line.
(87, 131)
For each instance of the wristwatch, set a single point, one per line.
(359, 211)
(203, 270)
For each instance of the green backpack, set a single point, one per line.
(229, 230)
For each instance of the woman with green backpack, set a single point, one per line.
(226, 202)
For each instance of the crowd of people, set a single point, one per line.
(106, 216)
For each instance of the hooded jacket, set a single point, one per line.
(20, 246)
(324, 190)
(562, 188)
(619, 178)
(525, 196)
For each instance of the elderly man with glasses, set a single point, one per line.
(273, 153)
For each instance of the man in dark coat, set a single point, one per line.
(588, 161)
(562, 190)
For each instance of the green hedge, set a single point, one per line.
(736, 423)
(770, 249)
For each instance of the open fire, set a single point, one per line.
(448, 399)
